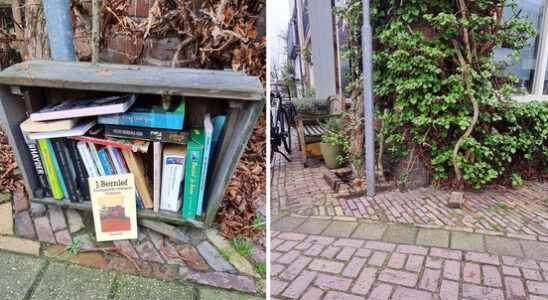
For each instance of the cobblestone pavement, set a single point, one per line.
(329, 245)
(303, 191)
(26, 277)
(168, 253)
(325, 259)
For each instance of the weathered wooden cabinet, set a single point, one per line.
(28, 86)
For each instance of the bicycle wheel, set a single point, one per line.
(286, 131)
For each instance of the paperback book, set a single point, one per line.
(113, 205)
(79, 129)
(167, 113)
(173, 167)
(208, 137)
(30, 126)
(84, 108)
(157, 178)
(128, 144)
(66, 167)
(149, 134)
(193, 170)
(44, 189)
(49, 168)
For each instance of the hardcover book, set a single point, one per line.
(193, 170)
(167, 113)
(84, 108)
(172, 177)
(113, 205)
(149, 134)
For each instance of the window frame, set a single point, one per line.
(539, 76)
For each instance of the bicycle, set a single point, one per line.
(282, 118)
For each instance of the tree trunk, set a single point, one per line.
(36, 38)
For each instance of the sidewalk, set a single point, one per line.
(26, 277)
(328, 245)
(196, 257)
(314, 258)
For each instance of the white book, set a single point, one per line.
(96, 159)
(83, 108)
(208, 132)
(86, 158)
(173, 168)
(157, 180)
(79, 130)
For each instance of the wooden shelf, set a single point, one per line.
(162, 216)
(28, 86)
(134, 79)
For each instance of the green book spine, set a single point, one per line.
(54, 183)
(193, 169)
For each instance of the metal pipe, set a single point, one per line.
(369, 132)
(59, 25)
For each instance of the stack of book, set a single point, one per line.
(75, 140)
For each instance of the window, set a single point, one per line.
(531, 68)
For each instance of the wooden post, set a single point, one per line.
(95, 30)
(13, 113)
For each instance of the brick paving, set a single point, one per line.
(310, 266)
(168, 253)
(300, 191)
(330, 245)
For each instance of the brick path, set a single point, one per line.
(194, 256)
(312, 258)
(302, 191)
(327, 245)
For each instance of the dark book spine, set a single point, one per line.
(65, 166)
(79, 168)
(149, 134)
(44, 189)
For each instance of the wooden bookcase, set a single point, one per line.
(28, 86)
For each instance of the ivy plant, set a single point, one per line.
(441, 90)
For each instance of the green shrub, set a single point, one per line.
(420, 84)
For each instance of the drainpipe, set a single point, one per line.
(369, 132)
(59, 25)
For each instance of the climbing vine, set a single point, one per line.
(440, 91)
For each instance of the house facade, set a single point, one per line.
(316, 38)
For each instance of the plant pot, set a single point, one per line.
(330, 154)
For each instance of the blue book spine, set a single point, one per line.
(57, 168)
(145, 119)
(104, 161)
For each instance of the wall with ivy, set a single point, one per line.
(439, 91)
